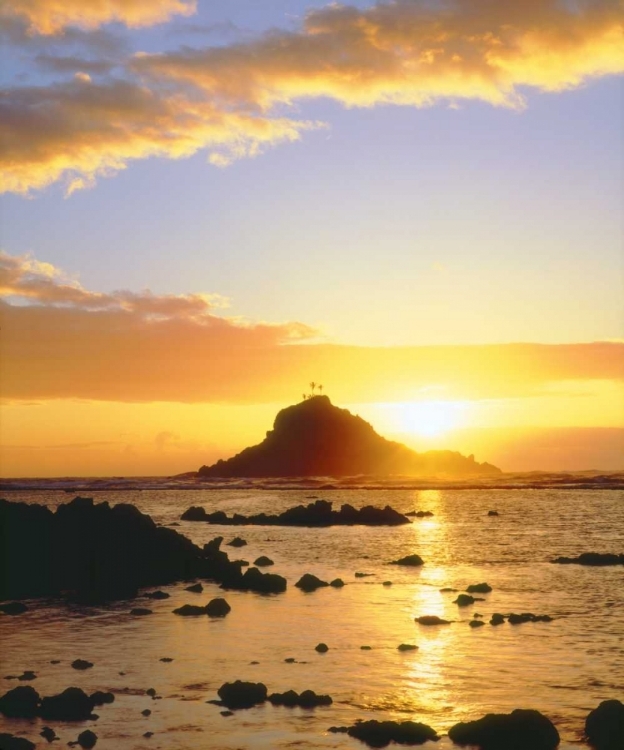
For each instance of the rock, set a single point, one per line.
(604, 726)
(73, 704)
(338, 730)
(190, 610)
(476, 623)
(194, 513)
(166, 659)
(87, 739)
(387, 583)
(520, 730)
(381, 733)
(81, 664)
(217, 607)
(447, 590)
(432, 620)
(419, 513)
(263, 583)
(366, 648)
(414, 561)
(492, 512)
(11, 742)
(27, 676)
(99, 698)
(237, 542)
(479, 588)
(337, 583)
(157, 595)
(464, 600)
(13, 608)
(518, 619)
(593, 559)
(497, 619)
(309, 583)
(20, 703)
(48, 734)
(322, 648)
(407, 647)
(363, 575)
(263, 561)
(151, 692)
(226, 713)
(290, 660)
(147, 735)
(241, 694)
(307, 699)
(196, 588)
(55, 661)
(141, 612)
(146, 712)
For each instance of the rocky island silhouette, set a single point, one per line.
(316, 438)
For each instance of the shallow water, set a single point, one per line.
(563, 668)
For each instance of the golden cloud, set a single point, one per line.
(227, 98)
(52, 16)
(69, 342)
(80, 130)
(411, 53)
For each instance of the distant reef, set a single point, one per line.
(316, 438)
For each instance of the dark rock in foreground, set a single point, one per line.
(11, 742)
(382, 733)
(217, 607)
(597, 559)
(309, 583)
(196, 588)
(479, 588)
(520, 730)
(99, 698)
(318, 513)
(414, 561)
(87, 739)
(263, 561)
(316, 438)
(20, 703)
(604, 726)
(465, 600)
(307, 699)
(322, 648)
(81, 664)
(241, 694)
(73, 704)
(13, 608)
(237, 542)
(95, 553)
(190, 610)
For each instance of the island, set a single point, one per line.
(316, 438)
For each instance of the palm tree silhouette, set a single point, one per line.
(313, 386)
(320, 389)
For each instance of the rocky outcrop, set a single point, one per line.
(316, 438)
(306, 699)
(309, 582)
(96, 553)
(413, 561)
(73, 704)
(520, 730)
(241, 694)
(318, 513)
(431, 620)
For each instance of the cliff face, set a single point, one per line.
(316, 438)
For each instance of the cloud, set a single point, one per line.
(52, 16)
(231, 98)
(80, 130)
(410, 52)
(73, 64)
(60, 340)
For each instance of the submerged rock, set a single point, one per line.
(237, 542)
(11, 742)
(407, 647)
(493, 513)
(20, 703)
(48, 734)
(419, 513)
(464, 600)
(307, 699)
(497, 619)
(322, 648)
(414, 561)
(337, 583)
(520, 730)
(479, 588)
(263, 561)
(73, 704)
(597, 559)
(431, 620)
(141, 612)
(604, 726)
(157, 595)
(309, 583)
(196, 588)
(476, 623)
(217, 607)
(13, 608)
(87, 739)
(81, 664)
(99, 698)
(518, 619)
(382, 733)
(241, 694)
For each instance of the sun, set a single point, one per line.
(429, 418)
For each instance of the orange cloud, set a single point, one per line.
(69, 342)
(51, 16)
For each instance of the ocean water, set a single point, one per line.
(563, 668)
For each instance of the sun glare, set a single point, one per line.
(429, 418)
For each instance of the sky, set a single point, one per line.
(207, 205)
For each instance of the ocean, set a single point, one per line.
(563, 668)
